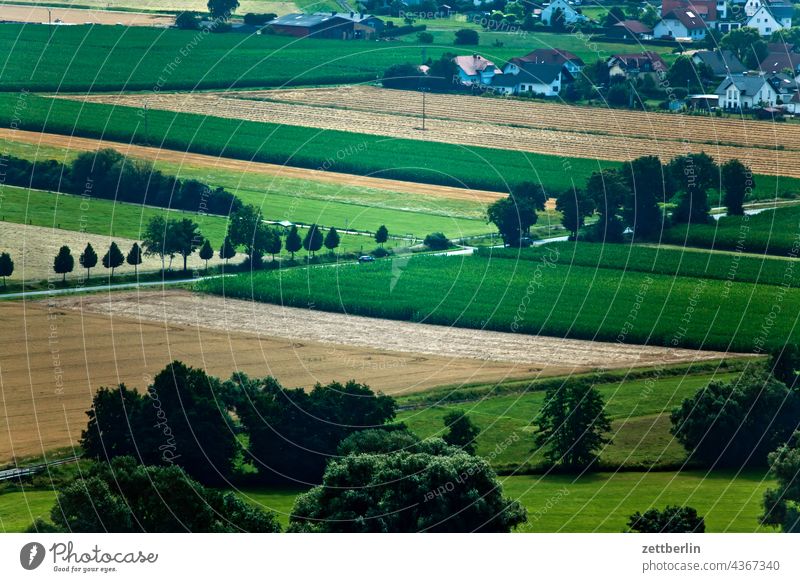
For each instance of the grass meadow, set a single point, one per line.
(542, 298)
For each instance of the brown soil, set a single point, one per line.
(38, 15)
(164, 155)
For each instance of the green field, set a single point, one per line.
(656, 260)
(541, 298)
(775, 232)
(599, 502)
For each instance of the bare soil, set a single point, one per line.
(38, 15)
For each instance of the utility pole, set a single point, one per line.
(146, 132)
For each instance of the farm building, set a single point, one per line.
(535, 78)
(720, 63)
(335, 25)
(571, 63)
(475, 70)
(746, 92)
(630, 29)
(636, 65)
(365, 26)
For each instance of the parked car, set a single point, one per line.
(365, 259)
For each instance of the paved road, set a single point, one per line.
(24, 471)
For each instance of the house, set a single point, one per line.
(636, 65)
(793, 106)
(318, 25)
(630, 29)
(571, 63)
(707, 10)
(781, 10)
(681, 24)
(768, 19)
(739, 92)
(365, 26)
(570, 15)
(536, 78)
(475, 70)
(720, 63)
(776, 62)
(784, 85)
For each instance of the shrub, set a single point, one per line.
(424, 37)
(672, 519)
(466, 36)
(437, 241)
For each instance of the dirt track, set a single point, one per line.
(38, 15)
(543, 128)
(155, 154)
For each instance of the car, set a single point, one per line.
(366, 259)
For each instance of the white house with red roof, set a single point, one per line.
(682, 23)
(475, 70)
(568, 61)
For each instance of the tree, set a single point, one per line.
(64, 263)
(155, 239)
(382, 235)
(574, 207)
(466, 36)
(571, 426)
(206, 252)
(312, 242)
(694, 175)
(247, 229)
(88, 259)
(293, 241)
(614, 15)
(134, 258)
(273, 244)
(608, 190)
(557, 21)
(227, 250)
(125, 496)
(332, 240)
(684, 73)
(648, 185)
(402, 76)
(222, 9)
(737, 423)
(785, 364)
(113, 258)
(532, 192)
(434, 488)
(6, 267)
(737, 182)
(513, 218)
(187, 21)
(437, 241)
(115, 424)
(782, 503)
(461, 431)
(673, 519)
(620, 94)
(185, 237)
(747, 45)
(378, 440)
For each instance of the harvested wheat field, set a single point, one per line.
(544, 128)
(39, 15)
(55, 354)
(33, 248)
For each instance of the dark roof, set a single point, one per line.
(747, 84)
(549, 57)
(354, 16)
(634, 26)
(781, 10)
(783, 84)
(637, 60)
(538, 73)
(306, 20)
(776, 62)
(504, 80)
(721, 62)
(690, 19)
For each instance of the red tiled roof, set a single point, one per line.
(475, 64)
(634, 26)
(549, 57)
(688, 18)
(636, 60)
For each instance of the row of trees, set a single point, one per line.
(64, 262)
(635, 196)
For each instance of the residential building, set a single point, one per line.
(572, 64)
(740, 92)
(682, 23)
(536, 78)
(630, 29)
(636, 65)
(720, 63)
(704, 9)
(770, 18)
(571, 15)
(781, 60)
(475, 70)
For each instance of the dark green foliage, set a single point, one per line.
(294, 432)
(461, 431)
(186, 237)
(672, 519)
(187, 21)
(736, 424)
(402, 76)
(222, 9)
(737, 183)
(64, 262)
(694, 175)
(685, 74)
(378, 441)
(382, 235)
(782, 504)
(332, 239)
(227, 250)
(312, 242)
(648, 186)
(293, 241)
(785, 364)
(124, 497)
(181, 420)
(113, 258)
(207, 252)
(466, 36)
(6, 267)
(436, 488)
(134, 257)
(609, 191)
(437, 241)
(575, 207)
(252, 19)
(88, 259)
(513, 218)
(747, 44)
(620, 94)
(571, 426)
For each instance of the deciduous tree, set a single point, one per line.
(113, 258)
(64, 262)
(88, 259)
(737, 182)
(461, 431)
(312, 242)
(227, 250)
(782, 503)
(673, 519)
(6, 267)
(382, 235)
(575, 207)
(331, 240)
(293, 241)
(206, 252)
(134, 258)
